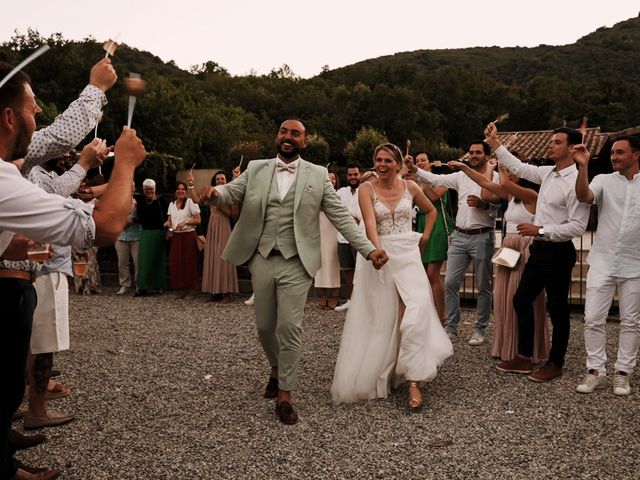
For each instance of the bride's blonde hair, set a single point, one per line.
(395, 152)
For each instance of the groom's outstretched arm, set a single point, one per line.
(232, 192)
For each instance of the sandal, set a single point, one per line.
(332, 304)
(414, 403)
(323, 303)
(57, 390)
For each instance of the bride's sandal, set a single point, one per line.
(414, 403)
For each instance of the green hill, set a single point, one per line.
(440, 99)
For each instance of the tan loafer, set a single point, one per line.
(53, 419)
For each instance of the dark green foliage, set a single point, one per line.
(440, 99)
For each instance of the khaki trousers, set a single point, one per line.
(281, 287)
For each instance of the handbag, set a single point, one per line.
(507, 257)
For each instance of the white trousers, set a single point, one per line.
(600, 290)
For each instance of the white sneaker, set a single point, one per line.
(342, 308)
(251, 300)
(621, 384)
(477, 338)
(123, 290)
(591, 382)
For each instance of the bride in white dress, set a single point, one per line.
(392, 331)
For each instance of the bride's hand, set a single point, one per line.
(378, 257)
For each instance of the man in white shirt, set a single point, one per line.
(28, 210)
(614, 263)
(472, 240)
(346, 253)
(559, 218)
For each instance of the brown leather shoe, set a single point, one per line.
(286, 413)
(48, 474)
(272, 388)
(517, 365)
(18, 441)
(29, 468)
(546, 373)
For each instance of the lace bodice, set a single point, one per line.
(396, 221)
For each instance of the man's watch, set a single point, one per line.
(541, 232)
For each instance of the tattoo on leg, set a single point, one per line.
(41, 371)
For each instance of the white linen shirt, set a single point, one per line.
(43, 217)
(557, 210)
(350, 200)
(616, 248)
(468, 217)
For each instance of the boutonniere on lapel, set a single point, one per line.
(309, 188)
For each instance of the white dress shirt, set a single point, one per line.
(616, 248)
(349, 199)
(557, 210)
(285, 178)
(468, 217)
(43, 217)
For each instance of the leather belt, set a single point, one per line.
(474, 231)
(17, 274)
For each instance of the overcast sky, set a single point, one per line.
(259, 35)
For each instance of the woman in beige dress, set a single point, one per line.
(219, 278)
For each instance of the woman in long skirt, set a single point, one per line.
(219, 277)
(183, 217)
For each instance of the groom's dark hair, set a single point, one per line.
(297, 119)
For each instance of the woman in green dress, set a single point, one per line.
(435, 253)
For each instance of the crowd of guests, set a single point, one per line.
(382, 240)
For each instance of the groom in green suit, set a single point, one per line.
(278, 233)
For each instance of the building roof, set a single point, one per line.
(534, 145)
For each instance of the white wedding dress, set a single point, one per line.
(379, 348)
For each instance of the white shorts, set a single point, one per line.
(50, 331)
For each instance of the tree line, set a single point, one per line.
(441, 100)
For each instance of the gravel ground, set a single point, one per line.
(166, 388)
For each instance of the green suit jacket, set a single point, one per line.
(313, 193)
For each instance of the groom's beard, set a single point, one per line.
(292, 154)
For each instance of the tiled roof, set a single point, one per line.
(534, 145)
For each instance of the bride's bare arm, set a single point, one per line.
(365, 199)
